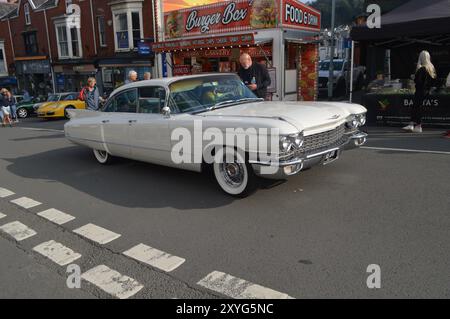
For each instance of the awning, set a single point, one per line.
(205, 43)
(30, 58)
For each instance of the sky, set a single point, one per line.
(170, 5)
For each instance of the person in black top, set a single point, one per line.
(424, 80)
(254, 75)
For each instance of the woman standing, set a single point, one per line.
(424, 77)
(90, 94)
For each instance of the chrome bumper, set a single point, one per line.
(284, 169)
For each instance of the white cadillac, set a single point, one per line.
(177, 122)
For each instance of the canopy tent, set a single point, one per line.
(417, 21)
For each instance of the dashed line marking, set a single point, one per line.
(57, 252)
(95, 233)
(2, 215)
(404, 150)
(18, 231)
(26, 202)
(238, 288)
(5, 192)
(154, 257)
(112, 282)
(56, 216)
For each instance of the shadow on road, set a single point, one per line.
(125, 183)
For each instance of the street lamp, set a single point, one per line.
(331, 75)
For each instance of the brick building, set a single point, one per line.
(47, 49)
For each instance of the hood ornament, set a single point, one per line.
(335, 117)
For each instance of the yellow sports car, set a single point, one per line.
(58, 104)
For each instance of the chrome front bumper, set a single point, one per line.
(284, 169)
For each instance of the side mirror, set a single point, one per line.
(166, 111)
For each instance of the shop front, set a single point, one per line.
(114, 72)
(34, 75)
(71, 77)
(282, 34)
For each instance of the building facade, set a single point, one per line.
(55, 45)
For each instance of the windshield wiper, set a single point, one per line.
(229, 102)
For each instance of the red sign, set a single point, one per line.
(230, 16)
(299, 16)
(181, 70)
(204, 43)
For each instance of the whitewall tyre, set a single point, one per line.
(235, 177)
(103, 157)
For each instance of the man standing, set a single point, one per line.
(132, 77)
(147, 76)
(254, 75)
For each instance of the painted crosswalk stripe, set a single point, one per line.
(238, 288)
(95, 233)
(154, 257)
(2, 215)
(18, 231)
(57, 252)
(26, 202)
(112, 282)
(56, 216)
(5, 192)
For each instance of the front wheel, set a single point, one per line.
(22, 113)
(66, 114)
(103, 157)
(234, 174)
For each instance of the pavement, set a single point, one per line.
(168, 233)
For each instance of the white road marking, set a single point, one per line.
(56, 216)
(5, 192)
(18, 231)
(26, 202)
(404, 150)
(154, 257)
(57, 252)
(2, 215)
(238, 288)
(41, 129)
(95, 233)
(112, 282)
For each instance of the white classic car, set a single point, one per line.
(193, 123)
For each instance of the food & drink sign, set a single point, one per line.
(239, 15)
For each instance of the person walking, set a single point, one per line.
(254, 75)
(91, 95)
(6, 107)
(424, 78)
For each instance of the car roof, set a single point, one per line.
(166, 81)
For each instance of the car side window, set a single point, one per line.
(151, 99)
(70, 97)
(123, 102)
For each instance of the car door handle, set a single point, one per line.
(132, 121)
(105, 121)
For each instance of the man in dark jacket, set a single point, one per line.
(254, 75)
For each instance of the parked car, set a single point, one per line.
(341, 77)
(26, 108)
(58, 104)
(140, 120)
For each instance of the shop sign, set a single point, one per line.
(204, 43)
(144, 48)
(297, 15)
(220, 17)
(33, 67)
(181, 70)
(254, 52)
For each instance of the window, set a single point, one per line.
(71, 97)
(123, 102)
(26, 10)
(3, 67)
(69, 41)
(151, 99)
(62, 42)
(31, 46)
(128, 28)
(101, 31)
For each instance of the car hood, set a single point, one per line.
(306, 116)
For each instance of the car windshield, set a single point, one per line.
(325, 65)
(53, 98)
(201, 94)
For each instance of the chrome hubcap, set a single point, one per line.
(233, 174)
(102, 154)
(22, 113)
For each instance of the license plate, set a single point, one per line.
(330, 157)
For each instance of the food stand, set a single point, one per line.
(391, 53)
(282, 34)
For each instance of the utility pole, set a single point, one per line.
(331, 75)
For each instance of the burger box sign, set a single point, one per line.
(239, 15)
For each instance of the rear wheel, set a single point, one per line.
(103, 157)
(235, 176)
(22, 113)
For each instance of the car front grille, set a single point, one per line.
(324, 139)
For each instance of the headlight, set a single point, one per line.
(288, 141)
(361, 118)
(285, 144)
(297, 139)
(352, 123)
